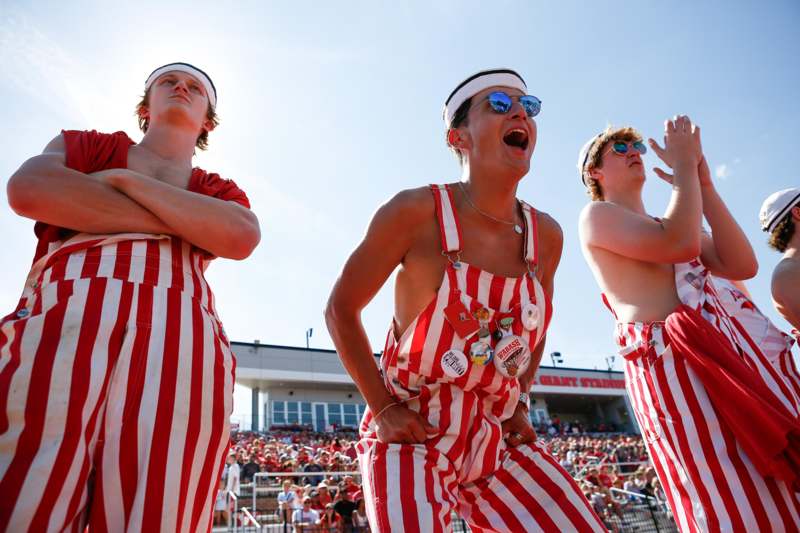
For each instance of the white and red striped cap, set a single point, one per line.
(201, 76)
(501, 77)
(777, 206)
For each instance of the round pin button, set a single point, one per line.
(530, 316)
(454, 363)
(22, 313)
(512, 356)
(481, 353)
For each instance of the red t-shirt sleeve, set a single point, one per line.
(87, 151)
(90, 151)
(211, 184)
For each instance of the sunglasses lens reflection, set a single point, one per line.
(531, 104)
(500, 102)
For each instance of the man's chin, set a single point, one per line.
(178, 115)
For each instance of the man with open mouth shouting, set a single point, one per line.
(116, 377)
(725, 442)
(447, 426)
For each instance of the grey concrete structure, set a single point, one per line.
(292, 385)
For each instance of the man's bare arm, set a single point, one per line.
(619, 230)
(223, 228)
(786, 291)
(44, 189)
(553, 242)
(389, 236)
(676, 237)
(726, 252)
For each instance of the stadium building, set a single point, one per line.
(294, 386)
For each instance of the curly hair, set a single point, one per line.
(594, 159)
(459, 119)
(202, 139)
(782, 234)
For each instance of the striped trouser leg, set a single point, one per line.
(114, 397)
(55, 364)
(529, 492)
(710, 483)
(166, 426)
(407, 488)
(788, 369)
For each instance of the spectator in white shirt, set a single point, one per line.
(286, 499)
(232, 484)
(305, 517)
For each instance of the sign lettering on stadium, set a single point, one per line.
(573, 381)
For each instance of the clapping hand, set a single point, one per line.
(682, 145)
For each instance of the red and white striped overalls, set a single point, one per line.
(467, 466)
(760, 332)
(116, 383)
(710, 482)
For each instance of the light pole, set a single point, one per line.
(610, 362)
(555, 357)
(309, 332)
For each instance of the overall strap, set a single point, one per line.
(608, 304)
(446, 215)
(531, 236)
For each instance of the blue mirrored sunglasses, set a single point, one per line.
(501, 102)
(621, 147)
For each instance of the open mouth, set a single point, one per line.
(516, 138)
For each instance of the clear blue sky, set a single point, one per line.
(328, 109)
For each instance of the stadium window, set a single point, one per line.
(361, 408)
(305, 413)
(278, 413)
(350, 418)
(292, 415)
(335, 414)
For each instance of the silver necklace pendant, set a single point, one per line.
(518, 229)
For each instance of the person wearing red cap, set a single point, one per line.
(725, 447)
(447, 426)
(117, 376)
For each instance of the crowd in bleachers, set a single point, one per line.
(322, 497)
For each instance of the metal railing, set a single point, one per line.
(233, 518)
(632, 511)
(249, 519)
(622, 511)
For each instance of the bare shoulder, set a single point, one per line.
(56, 145)
(786, 276)
(415, 203)
(407, 209)
(399, 221)
(598, 212)
(550, 231)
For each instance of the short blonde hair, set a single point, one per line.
(595, 155)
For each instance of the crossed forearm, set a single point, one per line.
(222, 228)
(42, 189)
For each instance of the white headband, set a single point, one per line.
(583, 155)
(478, 82)
(201, 76)
(776, 207)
